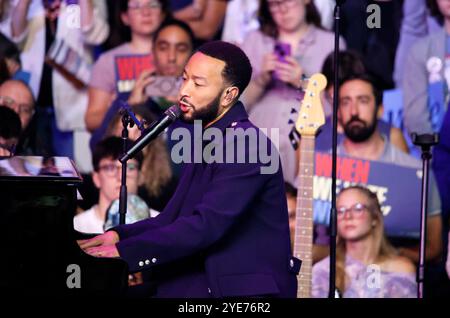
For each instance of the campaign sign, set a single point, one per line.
(128, 69)
(398, 190)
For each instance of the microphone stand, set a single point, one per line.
(128, 119)
(333, 214)
(425, 141)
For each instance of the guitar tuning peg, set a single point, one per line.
(290, 122)
(302, 82)
(294, 142)
(293, 111)
(301, 89)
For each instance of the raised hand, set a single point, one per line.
(138, 95)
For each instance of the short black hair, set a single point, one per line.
(111, 147)
(175, 22)
(368, 79)
(351, 63)
(237, 70)
(10, 126)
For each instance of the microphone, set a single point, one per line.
(170, 115)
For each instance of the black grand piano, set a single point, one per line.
(39, 253)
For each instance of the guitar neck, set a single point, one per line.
(303, 239)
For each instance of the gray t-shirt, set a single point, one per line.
(392, 154)
(104, 71)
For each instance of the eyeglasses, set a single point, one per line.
(111, 169)
(275, 5)
(136, 5)
(357, 210)
(20, 108)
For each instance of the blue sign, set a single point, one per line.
(398, 190)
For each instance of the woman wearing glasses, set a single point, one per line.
(290, 44)
(140, 18)
(367, 266)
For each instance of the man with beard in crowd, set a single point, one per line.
(359, 101)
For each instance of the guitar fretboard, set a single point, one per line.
(303, 240)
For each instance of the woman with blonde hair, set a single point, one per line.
(367, 266)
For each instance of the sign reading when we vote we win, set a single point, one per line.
(398, 190)
(128, 69)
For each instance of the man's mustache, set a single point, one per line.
(183, 100)
(356, 119)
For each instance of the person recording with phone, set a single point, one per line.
(171, 48)
(290, 44)
(172, 45)
(140, 19)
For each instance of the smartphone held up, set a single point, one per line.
(281, 50)
(164, 86)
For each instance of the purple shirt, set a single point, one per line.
(364, 281)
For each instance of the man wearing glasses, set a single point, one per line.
(106, 177)
(17, 96)
(9, 131)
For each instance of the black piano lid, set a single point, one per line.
(34, 168)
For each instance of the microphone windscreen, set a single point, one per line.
(173, 112)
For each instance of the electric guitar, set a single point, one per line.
(311, 117)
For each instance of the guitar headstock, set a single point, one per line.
(311, 116)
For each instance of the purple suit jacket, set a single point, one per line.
(224, 233)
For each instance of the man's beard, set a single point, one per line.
(360, 133)
(206, 114)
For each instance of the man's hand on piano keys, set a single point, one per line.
(102, 245)
(4, 152)
(103, 251)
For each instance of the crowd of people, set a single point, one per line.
(68, 67)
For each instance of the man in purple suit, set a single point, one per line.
(225, 232)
